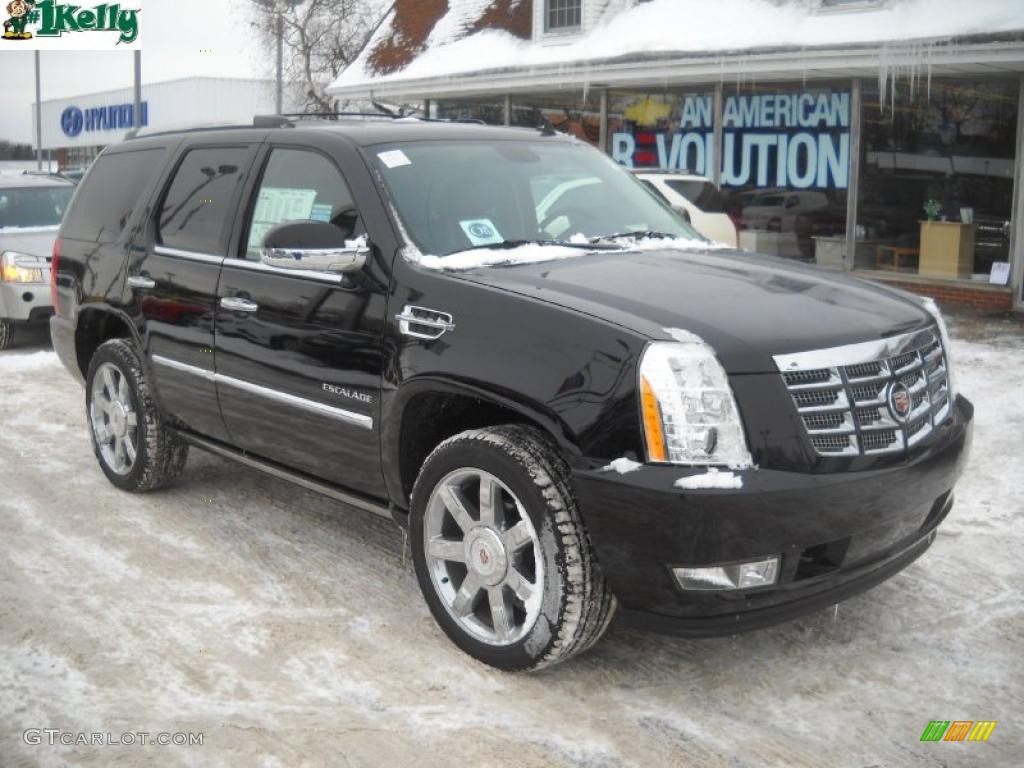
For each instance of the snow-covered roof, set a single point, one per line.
(467, 37)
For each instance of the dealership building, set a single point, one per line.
(75, 129)
(877, 136)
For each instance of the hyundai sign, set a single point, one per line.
(119, 117)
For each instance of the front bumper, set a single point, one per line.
(25, 302)
(837, 534)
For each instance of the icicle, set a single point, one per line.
(883, 79)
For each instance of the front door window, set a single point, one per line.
(299, 185)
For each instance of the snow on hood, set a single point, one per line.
(664, 26)
(534, 253)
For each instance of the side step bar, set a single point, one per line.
(270, 468)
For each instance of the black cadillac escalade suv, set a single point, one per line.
(499, 338)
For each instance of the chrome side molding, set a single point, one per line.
(340, 414)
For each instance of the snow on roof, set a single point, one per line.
(458, 43)
(414, 26)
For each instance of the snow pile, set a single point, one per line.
(713, 478)
(34, 361)
(622, 466)
(663, 26)
(18, 230)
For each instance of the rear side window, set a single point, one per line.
(110, 194)
(197, 205)
(701, 193)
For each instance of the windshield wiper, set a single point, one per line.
(589, 245)
(635, 234)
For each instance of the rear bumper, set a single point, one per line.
(836, 534)
(25, 302)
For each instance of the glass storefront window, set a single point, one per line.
(573, 112)
(944, 153)
(786, 168)
(490, 110)
(667, 130)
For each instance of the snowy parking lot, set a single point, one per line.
(289, 631)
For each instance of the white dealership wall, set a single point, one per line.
(170, 104)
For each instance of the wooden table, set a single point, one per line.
(899, 253)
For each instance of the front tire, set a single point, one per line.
(500, 551)
(6, 334)
(130, 437)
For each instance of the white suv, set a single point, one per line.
(697, 198)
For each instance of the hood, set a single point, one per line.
(748, 307)
(36, 241)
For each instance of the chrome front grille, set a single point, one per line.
(846, 400)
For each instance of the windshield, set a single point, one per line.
(453, 196)
(33, 206)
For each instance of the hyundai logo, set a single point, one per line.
(71, 121)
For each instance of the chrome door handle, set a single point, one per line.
(141, 283)
(424, 323)
(235, 304)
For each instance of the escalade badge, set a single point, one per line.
(899, 401)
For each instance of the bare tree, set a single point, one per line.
(321, 38)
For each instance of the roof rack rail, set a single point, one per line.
(289, 120)
(337, 115)
(145, 133)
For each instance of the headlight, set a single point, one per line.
(688, 410)
(21, 268)
(933, 309)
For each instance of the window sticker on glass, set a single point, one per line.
(481, 231)
(276, 205)
(394, 158)
(321, 212)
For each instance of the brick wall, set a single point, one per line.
(958, 293)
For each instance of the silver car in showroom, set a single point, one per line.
(31, 209)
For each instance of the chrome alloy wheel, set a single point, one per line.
(115, 424)
(484, 556)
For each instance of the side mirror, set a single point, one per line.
(682, 211)
(313, 246)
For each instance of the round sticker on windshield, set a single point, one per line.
(481, 231)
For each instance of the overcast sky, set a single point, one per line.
(173, 33)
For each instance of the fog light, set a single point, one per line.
(756, 573)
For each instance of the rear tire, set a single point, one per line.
(130, 437)
(6, 334)
(511, 576)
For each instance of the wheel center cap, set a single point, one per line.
(119, 419)
(485, 555)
